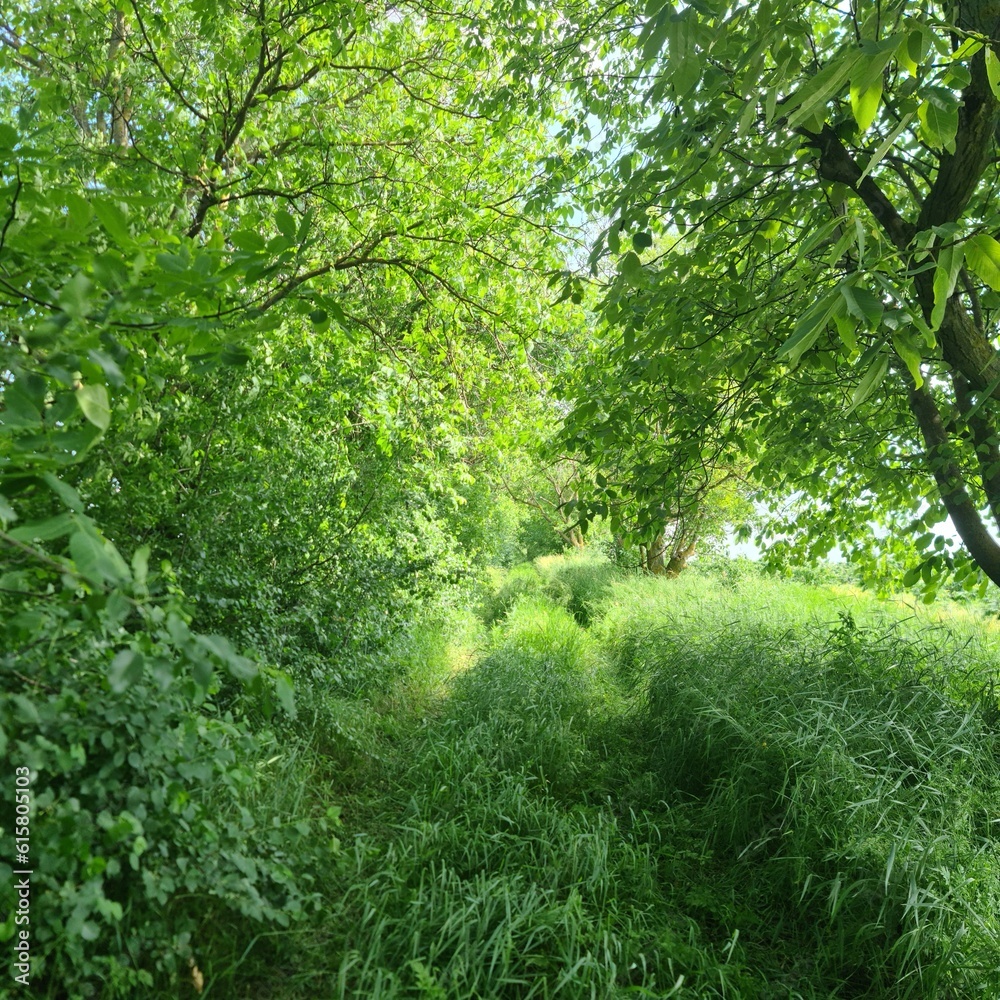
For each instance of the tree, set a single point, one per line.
(617, 428)
(257, 287)
(189, 187)
(804, 226)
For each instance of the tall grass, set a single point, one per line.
(709, 787)
(844, 775)
(499, 881)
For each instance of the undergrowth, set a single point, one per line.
(611, 786)
(717, 786)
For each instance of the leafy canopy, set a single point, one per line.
(802, 227)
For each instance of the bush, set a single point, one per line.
(163, 831)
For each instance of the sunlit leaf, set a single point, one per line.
(95, 405)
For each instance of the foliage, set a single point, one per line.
(277, 370)
(192, 312)
(267, 287)
(300, 539)
(154, 840)
(550, 491)
(800, 218)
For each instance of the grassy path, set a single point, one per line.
(693, 790)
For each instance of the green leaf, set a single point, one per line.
(642, 241)
(173, 263)
(985, 395)
(865, 104)
(813, 95)
(871, 381)
(949, 266)
(64, 491)
(26, 708)
(248, 240)
(819, 235)
(78, 213)
(117, 609)
(140, 565)
(993, 71)
(614, 240)
(125, 670)
(7, 513)
(890, 140)
(808, 329)
(23, 400)
(846, 331)
(202, 672)
(286, 224)
(234, 355)
(906, 347)
(88, 554)
(114, 221)
(337, 313)
(93, 401)
(654, 32)
(96, 559)
(938, 116)
(863, 304)
(285, 693)
(918, 42)
(982, 253)
(217, 645)
(630, 269)
(220, 647)
(684, 64)
(74, 296)
(867, 80)
(44, 531)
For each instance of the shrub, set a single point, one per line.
(163, 830)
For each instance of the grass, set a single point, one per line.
(614, 786)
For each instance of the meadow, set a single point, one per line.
(596, 784)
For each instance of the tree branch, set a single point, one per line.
(978, 541)
(836, 164)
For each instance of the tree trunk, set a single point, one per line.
(121, 97)
(966, 347)
(655, 555)
(667, 555)
(679, 560)
(978, 541)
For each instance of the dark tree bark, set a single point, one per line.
(965, 344)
